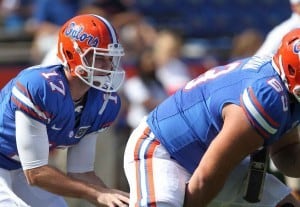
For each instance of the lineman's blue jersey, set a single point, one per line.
(43, 94)
(188, 121)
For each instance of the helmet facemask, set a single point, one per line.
(296, 92)
(295, 87)
(89, 49)
(100, 67)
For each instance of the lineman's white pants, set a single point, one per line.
(156, 178)
(15, 192)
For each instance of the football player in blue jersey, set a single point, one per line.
(61, 106)
(208, 144)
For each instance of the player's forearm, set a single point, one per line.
(202, 189)
(54, 181)
(89, 177)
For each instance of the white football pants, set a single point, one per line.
(15, 192)
(156, 178)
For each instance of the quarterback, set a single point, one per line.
(62, 105)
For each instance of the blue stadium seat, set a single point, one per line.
(211, 18)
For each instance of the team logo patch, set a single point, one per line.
(81, 132)
(76, 32)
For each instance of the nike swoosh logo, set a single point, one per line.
(78, 109)
(55, 128)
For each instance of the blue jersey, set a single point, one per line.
(187, 122)
(43, 94)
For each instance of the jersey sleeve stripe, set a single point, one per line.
(261, 109)
(26, 102)
(22, 89)
(24, 108)
(252, 107)
(261, 131)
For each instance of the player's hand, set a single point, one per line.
(113, 198)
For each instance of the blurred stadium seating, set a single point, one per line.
(14, 54)
(206, 24)
(214, 18)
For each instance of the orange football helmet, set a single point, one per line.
(287, 60)
(88, 47)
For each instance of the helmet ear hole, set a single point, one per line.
(291, 70)
(69, 54)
